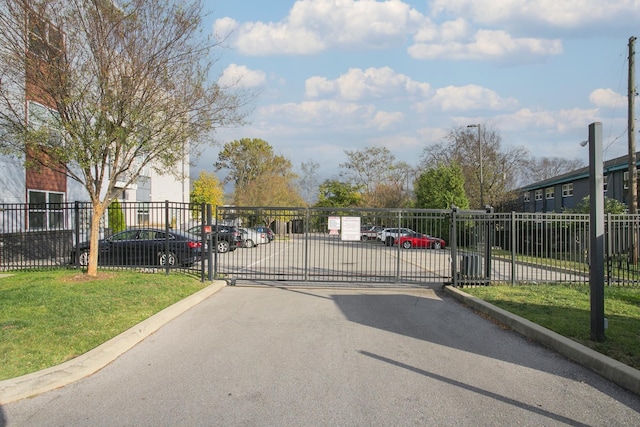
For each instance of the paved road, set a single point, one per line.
(274, 356)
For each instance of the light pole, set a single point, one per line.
(481, 172)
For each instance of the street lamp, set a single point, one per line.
(481, 173)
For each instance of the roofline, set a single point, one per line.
(611, 165)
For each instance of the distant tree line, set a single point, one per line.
(464, 168)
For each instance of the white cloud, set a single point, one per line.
(242, 77)
(330, 114)
(314, 26)
(607, 98)
(548, 121)
(465, 98)
(551, 13)
(495, 44)
(372, 83)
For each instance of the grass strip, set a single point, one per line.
(565, 309)
(49, 317)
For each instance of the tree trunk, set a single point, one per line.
(98, 211)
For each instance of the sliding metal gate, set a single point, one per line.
(326, 245)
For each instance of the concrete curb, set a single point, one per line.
(82, 366)
(621, 374)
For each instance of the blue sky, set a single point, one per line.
(336, 75)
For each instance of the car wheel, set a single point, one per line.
(389, 241)
(406, 244)
(249, 243)
(436, 245)
(165, 259)
(83, 259)
(223, 246)
(364, 238)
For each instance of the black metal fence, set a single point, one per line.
(53, 235)
(327, 245)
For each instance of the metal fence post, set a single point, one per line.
(212, 270)
(306, 245)
(488, 244)
(608, 250)
(166, 236)
(397, 278)
(76, 225)
(454, 245)
(514, 242)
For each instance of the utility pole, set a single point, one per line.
(631, 132)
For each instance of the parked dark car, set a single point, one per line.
(226, 238)
(143, 247)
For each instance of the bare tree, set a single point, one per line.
(309, 182)
(502, 168)
(385, 182)
(125, 86)
(544, 168)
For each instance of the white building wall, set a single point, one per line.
(169, 186)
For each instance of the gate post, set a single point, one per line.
(166, 236)
(213, 245)
(488, 244)
(514, 242)
(306, 244)
(454, 245)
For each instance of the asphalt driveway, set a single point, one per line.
(303, 356)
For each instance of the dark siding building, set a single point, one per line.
(568, 190)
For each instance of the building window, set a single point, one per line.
(45, 119)
(604, 183)
(549, 193)
(143, 213)
(45, 39)
(46, 210)
(567, 190)
(538, 194)
(626, 180)
(527, 196)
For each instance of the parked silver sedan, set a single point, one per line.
(252, 237)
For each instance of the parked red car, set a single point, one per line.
(419, 240)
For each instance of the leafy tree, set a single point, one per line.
(338, 194)
(128, 87)
(502, 168)
(206, 189)
(257, 172)
(441, 187)
(383, 181)
(247, 159)
(270, 190)
(116, 217)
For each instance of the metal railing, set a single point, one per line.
(326, 245)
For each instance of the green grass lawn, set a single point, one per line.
(49, 317)
(565, 309)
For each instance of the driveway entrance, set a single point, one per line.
(289, 356)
